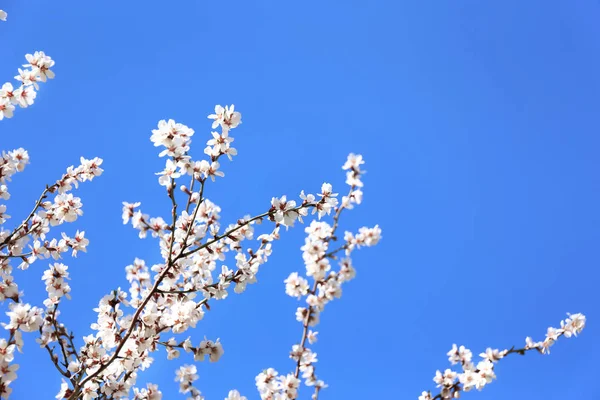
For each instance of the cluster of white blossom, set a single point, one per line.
(56, 285)
(327, 284)
(64, 207)
(186, 375)
(273, 386)
(3, 15)
(451, 383)
(151, 392)
(214, 350)
(176, 139)
(29, 242)
(36, 70)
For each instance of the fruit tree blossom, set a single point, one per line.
(204, 259)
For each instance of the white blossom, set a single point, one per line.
(235, 395)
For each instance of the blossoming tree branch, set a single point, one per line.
(202, 261)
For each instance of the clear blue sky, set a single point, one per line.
(479, 125)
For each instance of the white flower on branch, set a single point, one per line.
(39, 64)
(55, 279)
(7, 93)
(284, 211)
(226, 117)
(186, 375)
(150, 393)
(3, 215)
(235, 395)
(296, 286)
(175, 137)
(169, 173)
(6, 108)
(28, 79)
(24, 317)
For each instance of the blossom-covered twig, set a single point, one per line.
(326, 286)
(36, 227)
(37, 70)
(451, 383)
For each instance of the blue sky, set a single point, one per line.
(478, 122)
